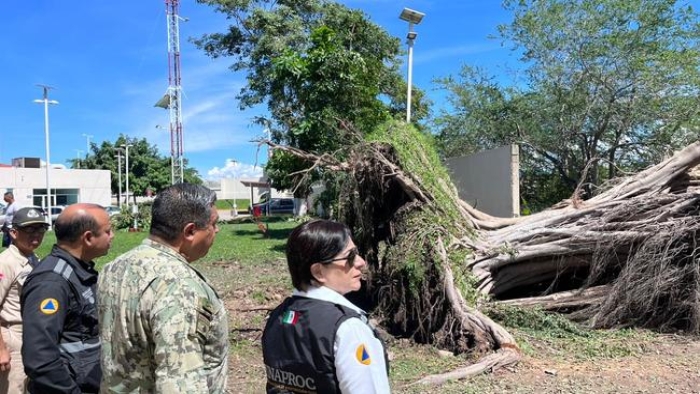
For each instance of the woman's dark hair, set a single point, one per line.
(313, 242)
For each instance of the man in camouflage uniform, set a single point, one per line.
(163, 327)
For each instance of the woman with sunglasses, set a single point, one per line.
(317, 341)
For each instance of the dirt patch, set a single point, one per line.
(668, 364)
(673, 368)
(671, 365)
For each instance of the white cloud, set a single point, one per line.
(235, 170)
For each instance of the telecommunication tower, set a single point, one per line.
(172, 99)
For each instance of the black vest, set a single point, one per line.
(298, 346)
(80, 341)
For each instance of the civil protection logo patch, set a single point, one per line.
(362, 356)
(49, 306)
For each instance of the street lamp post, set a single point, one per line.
(87, 145)
(126, 172)
(45, 100)
(235, 180)
(77, 157)
(413, 18)
(119, 176)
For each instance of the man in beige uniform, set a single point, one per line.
(27, 233)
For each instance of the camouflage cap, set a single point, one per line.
(27, 216)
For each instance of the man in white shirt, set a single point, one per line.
(12, 207)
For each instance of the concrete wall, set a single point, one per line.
(489, 180)
(88, 185)
(230, 188)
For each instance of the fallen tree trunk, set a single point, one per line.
(649, 219)
(564, 300)
(433, 257)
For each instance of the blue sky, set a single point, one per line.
(108, 63)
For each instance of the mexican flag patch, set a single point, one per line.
(290, 317)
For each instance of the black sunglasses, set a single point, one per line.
(349, 258)
(33, 230)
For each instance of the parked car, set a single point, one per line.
(275, 206)
(55, 211)
(113, 210)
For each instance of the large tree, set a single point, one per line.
(609, 87)
(627, 257)
(147, 168)
(317, 65)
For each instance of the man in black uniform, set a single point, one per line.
(61, 345)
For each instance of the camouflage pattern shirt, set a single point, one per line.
(163, 327)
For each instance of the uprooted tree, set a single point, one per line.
(625, 257)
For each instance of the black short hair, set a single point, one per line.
(313, 242)
(178, 205)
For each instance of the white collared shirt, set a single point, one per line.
(359, 355)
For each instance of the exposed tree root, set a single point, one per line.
(499, 359)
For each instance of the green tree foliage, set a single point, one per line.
(610, 86)
(147, 168)
(318, 66)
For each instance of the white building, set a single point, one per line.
(68, 186)
(244, 189)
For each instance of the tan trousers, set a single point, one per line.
(13, 381)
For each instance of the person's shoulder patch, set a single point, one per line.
(49, 306)
(362, 355)
(291, 317)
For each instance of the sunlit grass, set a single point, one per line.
(242, 242)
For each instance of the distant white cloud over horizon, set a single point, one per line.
(235, 170)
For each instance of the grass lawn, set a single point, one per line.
(241, 242)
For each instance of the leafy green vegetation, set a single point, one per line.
(418, 157)
(318, 66)
(535, 329)
(606, 88)
(149, 170)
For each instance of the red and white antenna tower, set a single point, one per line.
(172, 99)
